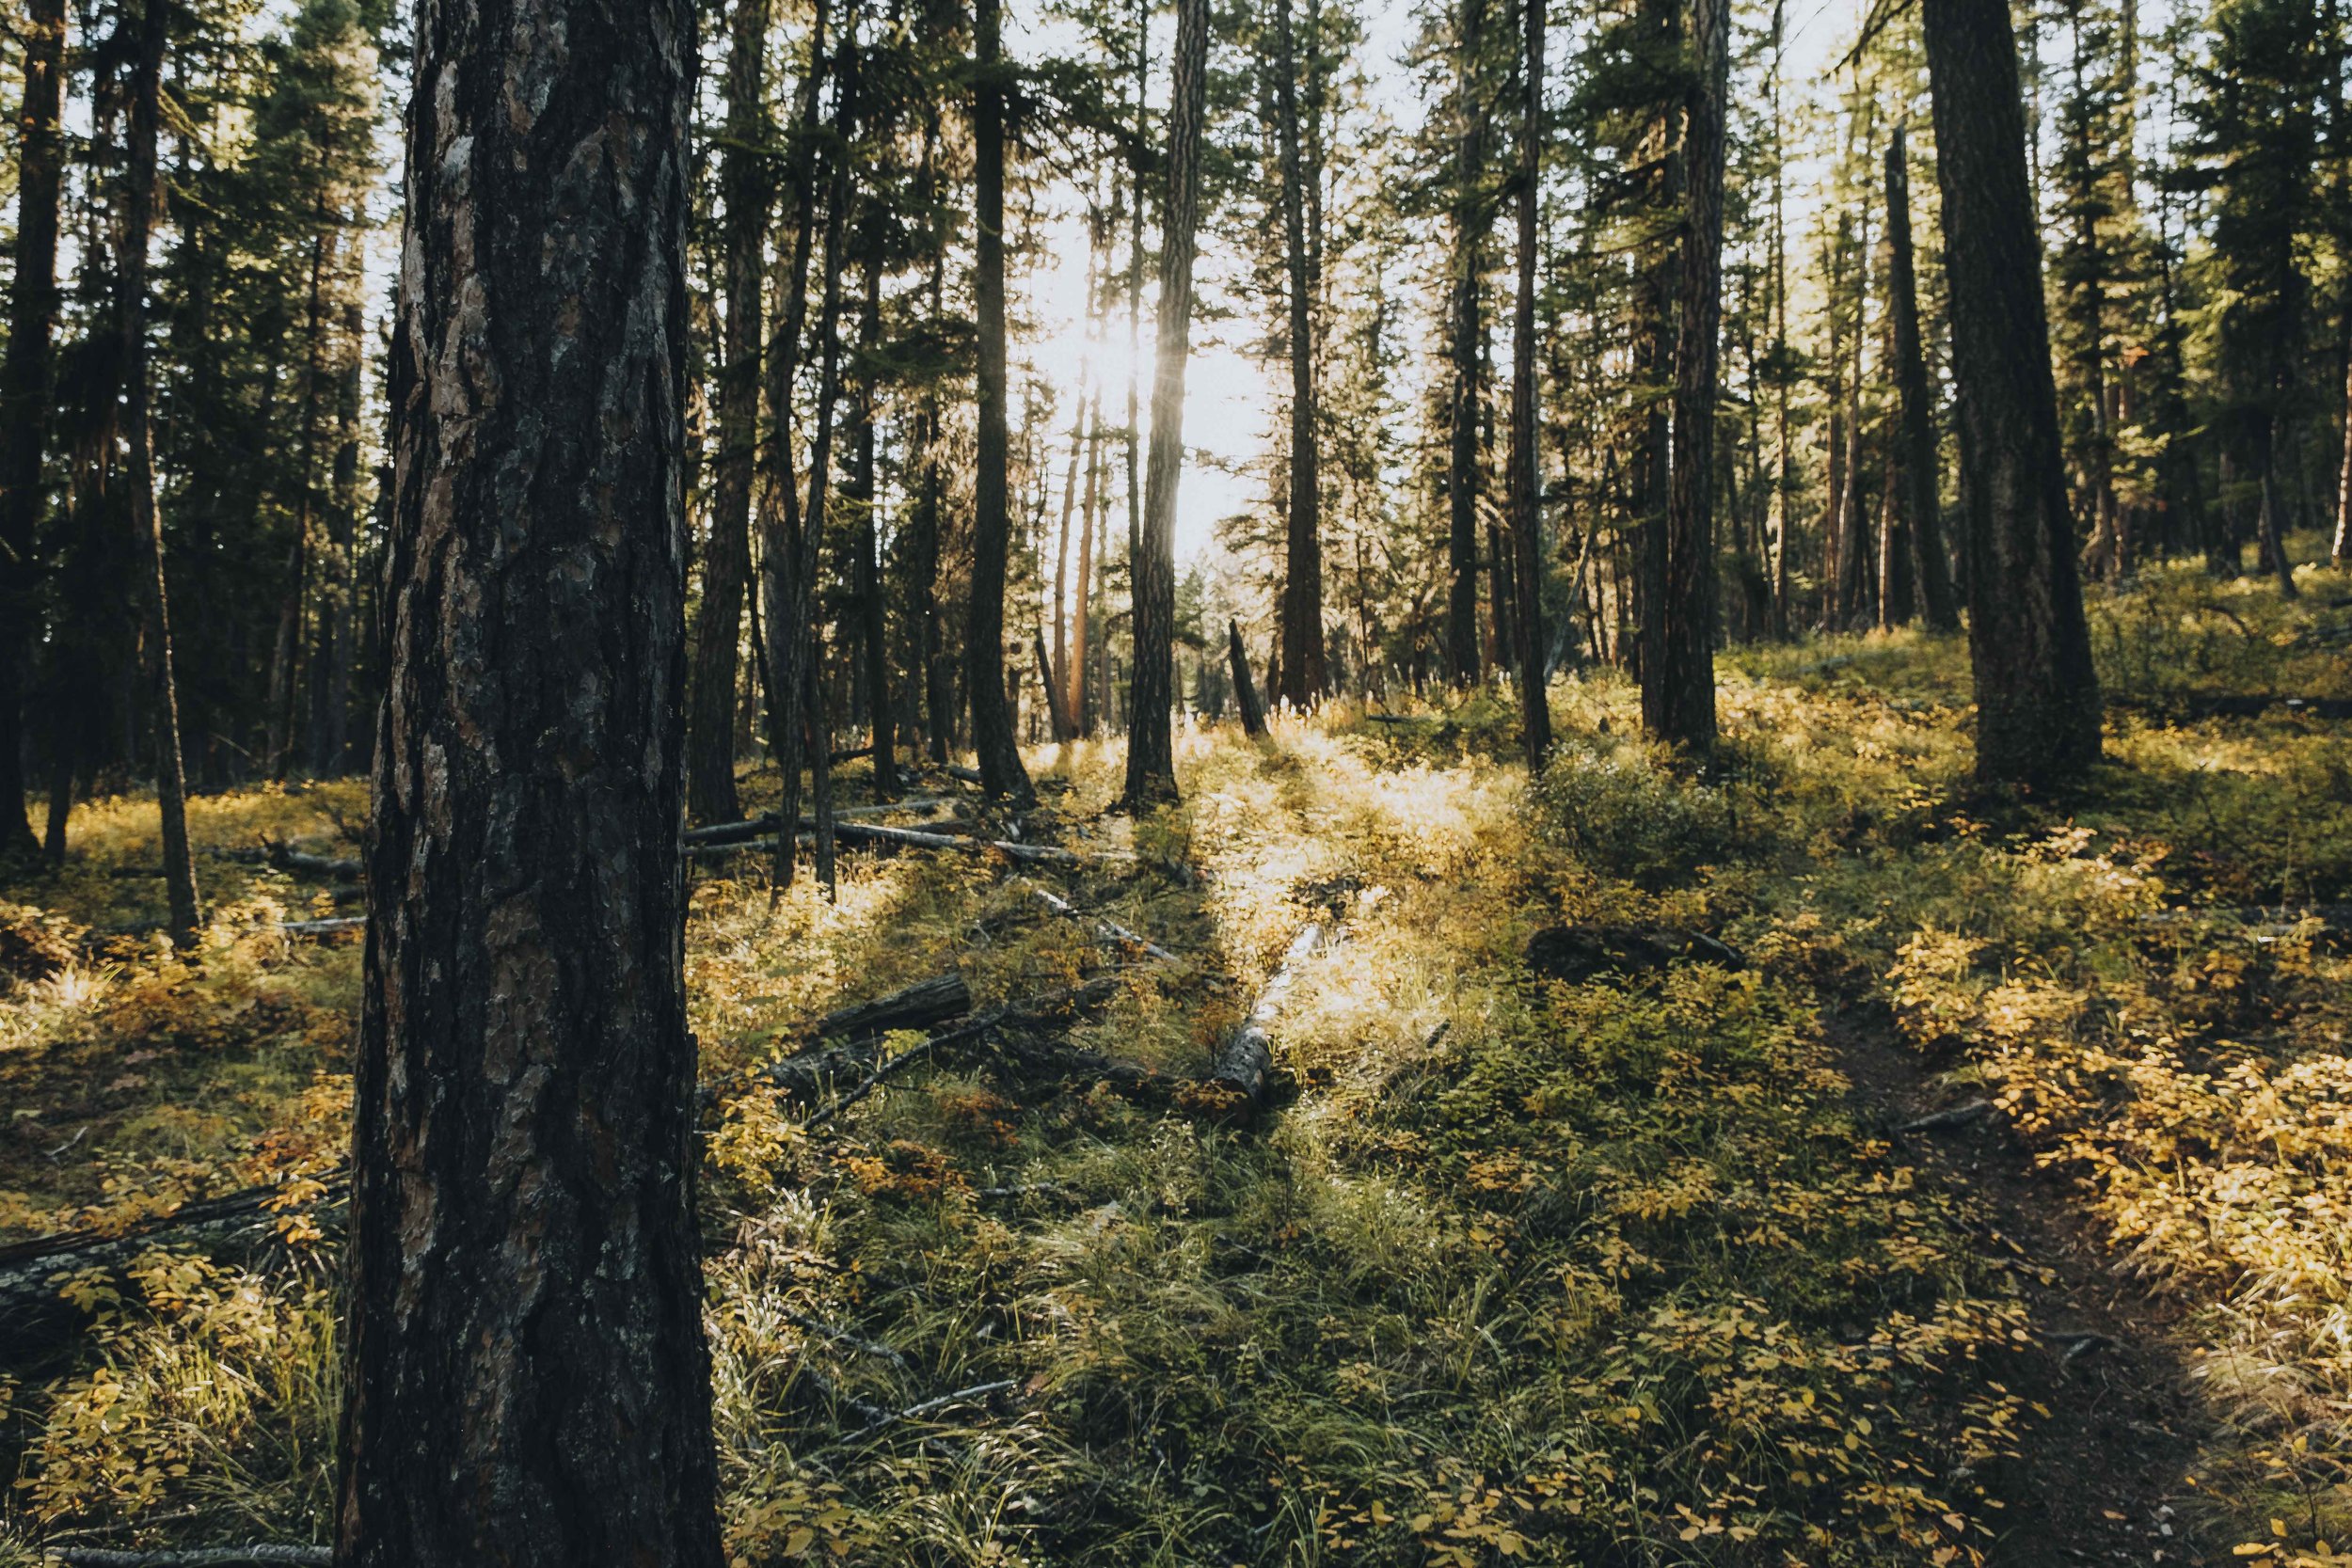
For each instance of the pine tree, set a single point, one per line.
(524, 1264)
(1151, 745)
(2037, 693)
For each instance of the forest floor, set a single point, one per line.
(1819, 1162)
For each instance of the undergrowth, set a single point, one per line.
(1513, 1270)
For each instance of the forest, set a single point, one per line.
(1100, 783)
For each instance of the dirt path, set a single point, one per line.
(2105, 1479)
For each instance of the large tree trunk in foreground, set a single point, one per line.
(138, 207)
(1001, 772)
(1679, 663)
(1302, 559)
(789, 568)
(2037, 694)
(25, 395)
(527, 1378)
(1922, 504)
(710, 794)
(1150, 743)
(1526, 487)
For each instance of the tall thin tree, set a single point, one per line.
(1917, 452)
(1678, 655)
(743, 178)
(139, 210)
(527, 1380)
(1302, 555)
(1466, 332)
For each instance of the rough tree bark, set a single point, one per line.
(1917, 459)
(1302, 562)
(937, 675)
(2340, 548)
(1150, 743)
(873, 619)
(790, 565)
(710, 793)
(331, 707)
(1679, 664)
(1245, 689)
(526, 1372)
(138, 209)
(1082, 606)
(2029, 645)
(1465, 329)
(1002, 775)
(1526, 481)
(24, 394)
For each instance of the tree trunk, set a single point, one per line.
(874, 619)
(1922, 505)
(1679, 674)
(24, 396)
(1465, 328)
(279, 748)
(1303, 562)
(527, 1381)
(791, 563)
(1151, 744)
(1056, 668)
(138, 206)
(710, 793)
(1526, 480)
(1001, 773)
(330, 734)
(937, 674)
(1245, 689)
(2340, 548)
(1094, 510)
(2272, 517)
(1134, 442)
(2037, 693)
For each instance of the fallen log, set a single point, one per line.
(2254, 704)
(915, 1006)
(1041, 854)
(1950, 1119)
(33, 1316)
(1109, 931)
(1028, 1012)
(1575, 954)
(857, 1029)
(765, 826)
(324, 927)
(933, 1407)
(276, 856)
(2263, 920)
(1245, 1059)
